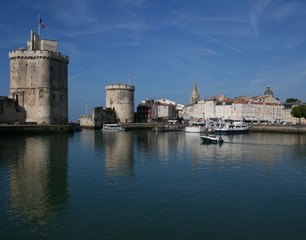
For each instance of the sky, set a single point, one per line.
(230, 47)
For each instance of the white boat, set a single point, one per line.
(112, 127)
(232, 126)
(196, 128)
(211, 139)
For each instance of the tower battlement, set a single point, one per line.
(120, 86)
(26, 54)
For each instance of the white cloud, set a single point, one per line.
(283, 11)
(255, 14)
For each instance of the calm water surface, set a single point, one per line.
(148, 185)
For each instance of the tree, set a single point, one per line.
(299, 111)
(292, 100)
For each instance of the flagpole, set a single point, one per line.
(38, 25)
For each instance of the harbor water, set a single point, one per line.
(152, 185)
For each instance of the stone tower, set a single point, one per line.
(195, 95)
(120, 97)
(39, 81)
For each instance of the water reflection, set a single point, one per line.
(37, 170)
(119, 153)
(240, 149)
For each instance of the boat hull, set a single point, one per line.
(211, 140)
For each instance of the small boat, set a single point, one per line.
(112, 127)
(196, 128)
(211, 139)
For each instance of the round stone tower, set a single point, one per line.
(120, 97)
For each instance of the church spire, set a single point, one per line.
(195, 95)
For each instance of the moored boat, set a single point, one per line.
(196, 128)
(112, 127)
(232, 126)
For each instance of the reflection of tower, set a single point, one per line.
(119, 158)
(195, 95)
(38, 181)
(39, 81)
(120, 97)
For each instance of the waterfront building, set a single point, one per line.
(120, 97)
(287, 113)
(166, 109)
(259, 109)
(146, 111)
(39, 81)
(156, 110)
(99, 116)
(10, 112)
(180, 110)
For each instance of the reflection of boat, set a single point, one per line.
(196, 128)
(211, 139)
(232, 126)
(112, 127)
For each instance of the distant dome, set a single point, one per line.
(268, 91)
(21, 49)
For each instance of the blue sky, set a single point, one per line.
(230, 47)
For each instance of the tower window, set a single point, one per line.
(53, 96)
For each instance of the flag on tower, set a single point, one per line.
(42, 25)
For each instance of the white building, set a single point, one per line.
(166, 109)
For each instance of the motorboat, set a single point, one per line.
(211, 139)
(112, 127)
(232, 126)
(196, 128)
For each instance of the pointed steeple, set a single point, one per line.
(195, 95)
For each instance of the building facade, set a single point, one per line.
(39, 81)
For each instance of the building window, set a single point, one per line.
(41, 93)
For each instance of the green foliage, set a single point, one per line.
(299, 111)
(292, 100)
